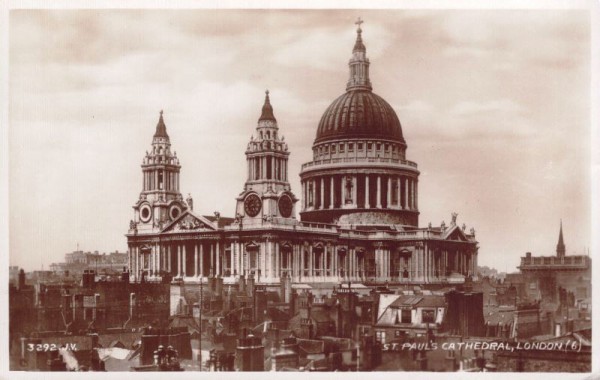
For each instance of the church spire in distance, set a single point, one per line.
(359, 64)
(560, 247)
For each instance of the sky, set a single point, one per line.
(494, 106)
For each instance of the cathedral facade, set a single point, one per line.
(358, 208)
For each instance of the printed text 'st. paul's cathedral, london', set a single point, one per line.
(358, 208)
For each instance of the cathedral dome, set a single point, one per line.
(359, 113)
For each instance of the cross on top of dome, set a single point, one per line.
(358, 22)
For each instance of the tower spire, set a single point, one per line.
(161, 128)
(359, 64)
(560, 247)
(267, 109)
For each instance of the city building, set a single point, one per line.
(78, 261)
(358, 209)
(545, 277)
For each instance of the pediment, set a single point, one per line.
(456, 234)
(189, 221)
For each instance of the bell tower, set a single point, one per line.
(267, 195)
(160, 200)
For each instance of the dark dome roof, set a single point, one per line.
(359, 114)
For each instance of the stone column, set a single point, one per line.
(305, 198)
(377, 263)
(389, 192)
(354, 192)
(378, 191)
(169, 258)
(134, 261)
(153, 260)
(416, 194)
(158, 266)
(212, 259)
(184, 260)
(218, 257)
(331, 192)
(195, 259)
(311, 259)
(367, 205)
(406, 206)
(231, 259)
(398, 197)
(412, 194)
(179, 274)
(202, 274)
(277, 274)
(343, 191)
(322, 195)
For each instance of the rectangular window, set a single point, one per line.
(341, 148)
(378, 146)
(428, 316)
(360, 146)
(333, 149)
(350, 147)
(406, 316)
(370, 146)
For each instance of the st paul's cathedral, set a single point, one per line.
(358, 208)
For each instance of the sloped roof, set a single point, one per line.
(419, 301)
(310, 346)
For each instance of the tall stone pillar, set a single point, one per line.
(212, 259)
(367, 205)
(322, 195)
(179, 273)
(398, 197)
(389, 192)
(378, 191)
(406, 205)
(232, 259)
(354, 192)
(343, 191)
(416, 194)
(202, 274)
(331, 192)
(218, 257)
(311, 261)
(195, 259)
(277, 274)
(184, 260)
(169, 268)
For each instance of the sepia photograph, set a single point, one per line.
(299, 190)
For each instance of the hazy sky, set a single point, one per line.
(494, 107)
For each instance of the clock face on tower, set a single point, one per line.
(285, 205)
(145, 213)
(252, 205)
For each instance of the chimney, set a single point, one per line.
(21, 284)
